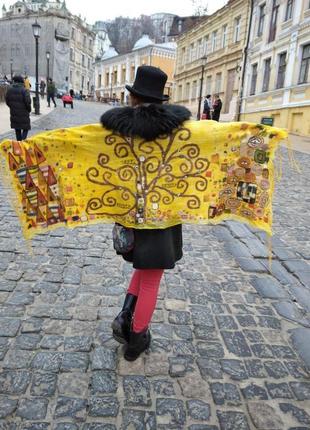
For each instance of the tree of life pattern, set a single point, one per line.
(161, 171)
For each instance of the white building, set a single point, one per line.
(114, 71)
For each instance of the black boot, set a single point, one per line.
(122, 323)
(138, 342)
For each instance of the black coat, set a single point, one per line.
(217, 107)
(158, 248)
(19, 101)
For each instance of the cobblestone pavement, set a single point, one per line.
(231, 340)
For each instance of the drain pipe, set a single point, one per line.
(245, 56)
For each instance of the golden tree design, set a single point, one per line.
(161, 170)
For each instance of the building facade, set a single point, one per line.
(277, 76)
(115, 71)
(67, 38)
(216, 43)
(81, 56)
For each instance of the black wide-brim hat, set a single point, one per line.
(150, 82)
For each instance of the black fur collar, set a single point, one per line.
(148, 121)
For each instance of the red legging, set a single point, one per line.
(144, 284)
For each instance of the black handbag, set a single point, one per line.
(123, 239)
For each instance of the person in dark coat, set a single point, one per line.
(51, 92)
(42, 88)
(217, 107)
(154, 250)
(18, 100)
(207, 106)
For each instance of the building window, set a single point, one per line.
(193, 52)
(99, 81)
(180, 26)
(187, 91)
(218, 82)
(90, 44)
(107, 75)
(71, 54)
(305, 62)
(88, 63)
(289, 10)
(183, 56)
(224, 36)
(200, 48)
(214, 41)
(71, 77)
(83, 60)
(267, 70)
(281, 70)
(261, 19)
(237, 29)
(273, 21)
(84, 40)
(253, 80)
(206, 45)
(180, 92)
(194, 90)
(83, 81)
(208, 85)
(72, 33)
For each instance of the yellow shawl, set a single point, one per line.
(204, 172)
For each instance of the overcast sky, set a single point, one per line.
(101, 10)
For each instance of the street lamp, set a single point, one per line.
(48, 54)
(36, 28)
(204, 62)
(11, 63)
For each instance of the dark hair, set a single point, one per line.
(208, 96)
(18, 79)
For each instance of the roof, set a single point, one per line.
(187, 22)
(143, 42)
(110, 53)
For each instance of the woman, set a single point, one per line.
(19, 101)
(154, 250)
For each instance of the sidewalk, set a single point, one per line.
(300, 143)
(5, 115)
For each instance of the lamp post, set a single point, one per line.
(48, 54)
(204, 61)
(36, 28)
(11, 64)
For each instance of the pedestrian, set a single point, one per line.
(51, 91)
(67, 100)
(18, 100)
(207, 107)
(42, 88)
(154, 250)
(27, 83)
(217, 107)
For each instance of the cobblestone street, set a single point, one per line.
(231, 335)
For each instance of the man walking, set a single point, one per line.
(51, 91)
(207, 106)
(217, 107)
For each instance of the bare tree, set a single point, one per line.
(124, 32)
(200, 7)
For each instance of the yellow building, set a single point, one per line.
(221, 38)
(114, 71)
(277, 68)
